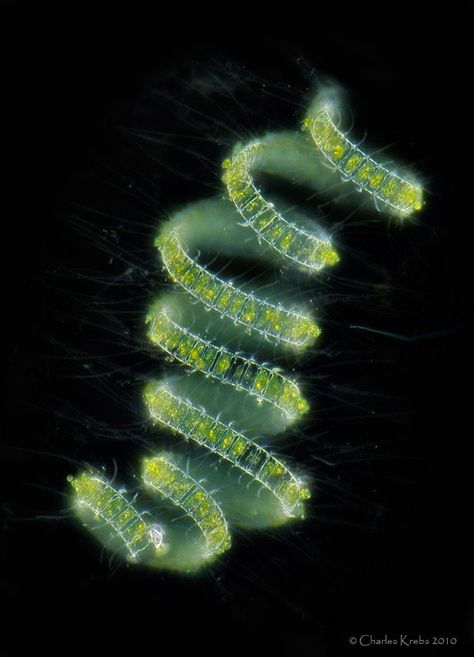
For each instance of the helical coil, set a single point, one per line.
(202, 325)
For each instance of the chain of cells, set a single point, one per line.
(224, 404)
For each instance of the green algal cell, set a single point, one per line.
(238, 447)
(207, 436)
(237, 371)
(237, 181)
(208, 356)
(352, 162)
(226, 440)
(291, 399)
(253, 460)
(185, 347)
(236, 303)
(189, 277)
(332, 143)
(212, 290)
(290, 493)
(400, 194)
(274, 387)
(248, 378)
(189, 421)
(366, 173)
(195, 357)
(304, 331)
(200, 284)
(285, 242)
(271, 319)
(253, 206)
(323, 254)
(250, 311)
(261, 381)
(216, 436)
(222, 364)
(274, 232)
(224, 298)
(123, 519)
(204, 426)
(196, 498)
(263, 218)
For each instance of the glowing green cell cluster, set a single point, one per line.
(236, 480)
(387, 187)
(232, 369)
(288, 239)
(256, 314)
(112, 508)
(195, 424)
(165, 477)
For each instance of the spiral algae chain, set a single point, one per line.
(226, 401)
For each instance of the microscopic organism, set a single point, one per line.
(227, 400)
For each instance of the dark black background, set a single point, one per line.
(70, 76)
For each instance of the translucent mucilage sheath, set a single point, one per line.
(227, 401)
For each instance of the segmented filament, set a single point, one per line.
(117, 513)
(237, 449)
(286, 238)
(281, 324)
(265, 383)
(387, 187)
(275, 322)
(165, 477)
